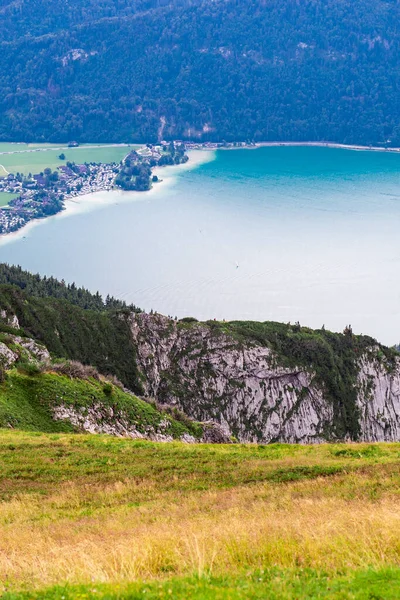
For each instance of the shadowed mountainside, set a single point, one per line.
(117, 70)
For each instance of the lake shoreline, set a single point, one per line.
(284, 235)
(328, 145)
(88, 201)
(85, 201)
(213, 146)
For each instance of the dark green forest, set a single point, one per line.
(141, 70)
(49, 287)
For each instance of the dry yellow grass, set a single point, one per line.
(336, 524)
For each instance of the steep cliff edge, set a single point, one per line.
(271, 382)
(262, 382)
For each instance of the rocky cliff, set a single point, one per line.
(261, 382)
(288, 384)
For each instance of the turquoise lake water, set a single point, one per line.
(284, 233)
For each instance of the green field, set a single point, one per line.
(34, 158)
(5, 198)
(85, 516)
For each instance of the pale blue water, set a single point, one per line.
(286, 234)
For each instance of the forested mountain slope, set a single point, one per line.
(121, 70)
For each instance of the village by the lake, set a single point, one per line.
(38, 195)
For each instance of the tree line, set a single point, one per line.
(50, 287)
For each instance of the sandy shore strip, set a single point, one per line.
(89, 202)
(311, 144)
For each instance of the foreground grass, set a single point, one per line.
(202, 521)
(272, 584)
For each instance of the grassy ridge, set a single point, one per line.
(116, 518)
(75, 324)
(26, 402)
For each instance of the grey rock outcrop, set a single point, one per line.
(35, 351)
(10, 319)
(214, 433)
(100, 418)
(378, 399)
(242, 386)
(7, 356)
(22, 347)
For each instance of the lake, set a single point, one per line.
(304, 234)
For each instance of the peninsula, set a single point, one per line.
(35, 196)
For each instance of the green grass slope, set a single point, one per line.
(27, 403)
(273, 584)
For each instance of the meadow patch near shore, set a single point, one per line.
(5, 198)
(202, 521)
(34, 158)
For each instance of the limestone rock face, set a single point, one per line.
(35, 351)
(214, 433)
(212, 376)
(26, 347)
(10, 320)
(378, 399)
(7, 356)
(103, 419)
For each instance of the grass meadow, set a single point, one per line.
(86, 516)
(34, 158)
(5, 198)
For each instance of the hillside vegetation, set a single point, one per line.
(264, 381)
(49, 287)
(116, 518)
(95, 336)
(117, 70)
(39, 392)
(52, 402)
